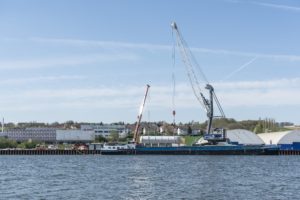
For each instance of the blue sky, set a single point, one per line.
(91, 60)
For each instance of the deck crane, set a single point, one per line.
(136, 131)
(191, 65)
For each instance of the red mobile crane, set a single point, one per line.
(136, 135)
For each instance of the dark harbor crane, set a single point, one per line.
(199, 82)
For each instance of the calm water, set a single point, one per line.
(149, 177)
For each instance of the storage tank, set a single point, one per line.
(160, 140)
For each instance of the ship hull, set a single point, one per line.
(197, 150)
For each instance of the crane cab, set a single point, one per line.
(218, 135)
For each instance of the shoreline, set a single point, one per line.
(132, 152)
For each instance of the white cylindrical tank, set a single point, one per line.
(160, 139)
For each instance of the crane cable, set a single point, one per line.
(173, 81)
(219, 105)
(189, 68)
(193, 78)
(195, 62)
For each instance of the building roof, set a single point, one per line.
(284, 137)
(242, 136)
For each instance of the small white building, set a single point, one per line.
(181, 131)
(106, 129)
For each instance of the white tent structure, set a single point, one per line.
(285, 139)
(245, 137)
(239, 137)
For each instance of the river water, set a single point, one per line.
(149, 177)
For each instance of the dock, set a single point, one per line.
(47, 152)
(186, 151)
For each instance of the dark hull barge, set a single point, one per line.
(196, 150)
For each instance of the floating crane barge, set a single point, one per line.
(197, 150)
(184, 150)
(216, 141)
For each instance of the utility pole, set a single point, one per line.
(2, 124)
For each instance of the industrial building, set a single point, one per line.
(105, 129)
(286, 140)
(3, 134)
(49, 135)
(72, 136)
(34, 134)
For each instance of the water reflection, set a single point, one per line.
(149, 177)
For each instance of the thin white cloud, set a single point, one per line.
(18, 81)
(254, 98)
(99, 43)
(158, 47)
(263, 85)
(280, 92)
(67, 61)
(270, 5)
(278, 6)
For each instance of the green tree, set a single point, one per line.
(30, 144)
(100, 138)
(6, 143)
(258, 128)
(21, 146)
(114, 136)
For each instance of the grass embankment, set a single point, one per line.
(189, 140)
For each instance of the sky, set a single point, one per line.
(91, 60)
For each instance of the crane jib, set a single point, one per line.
(195, 79)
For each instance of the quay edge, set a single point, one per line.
(183, 150)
